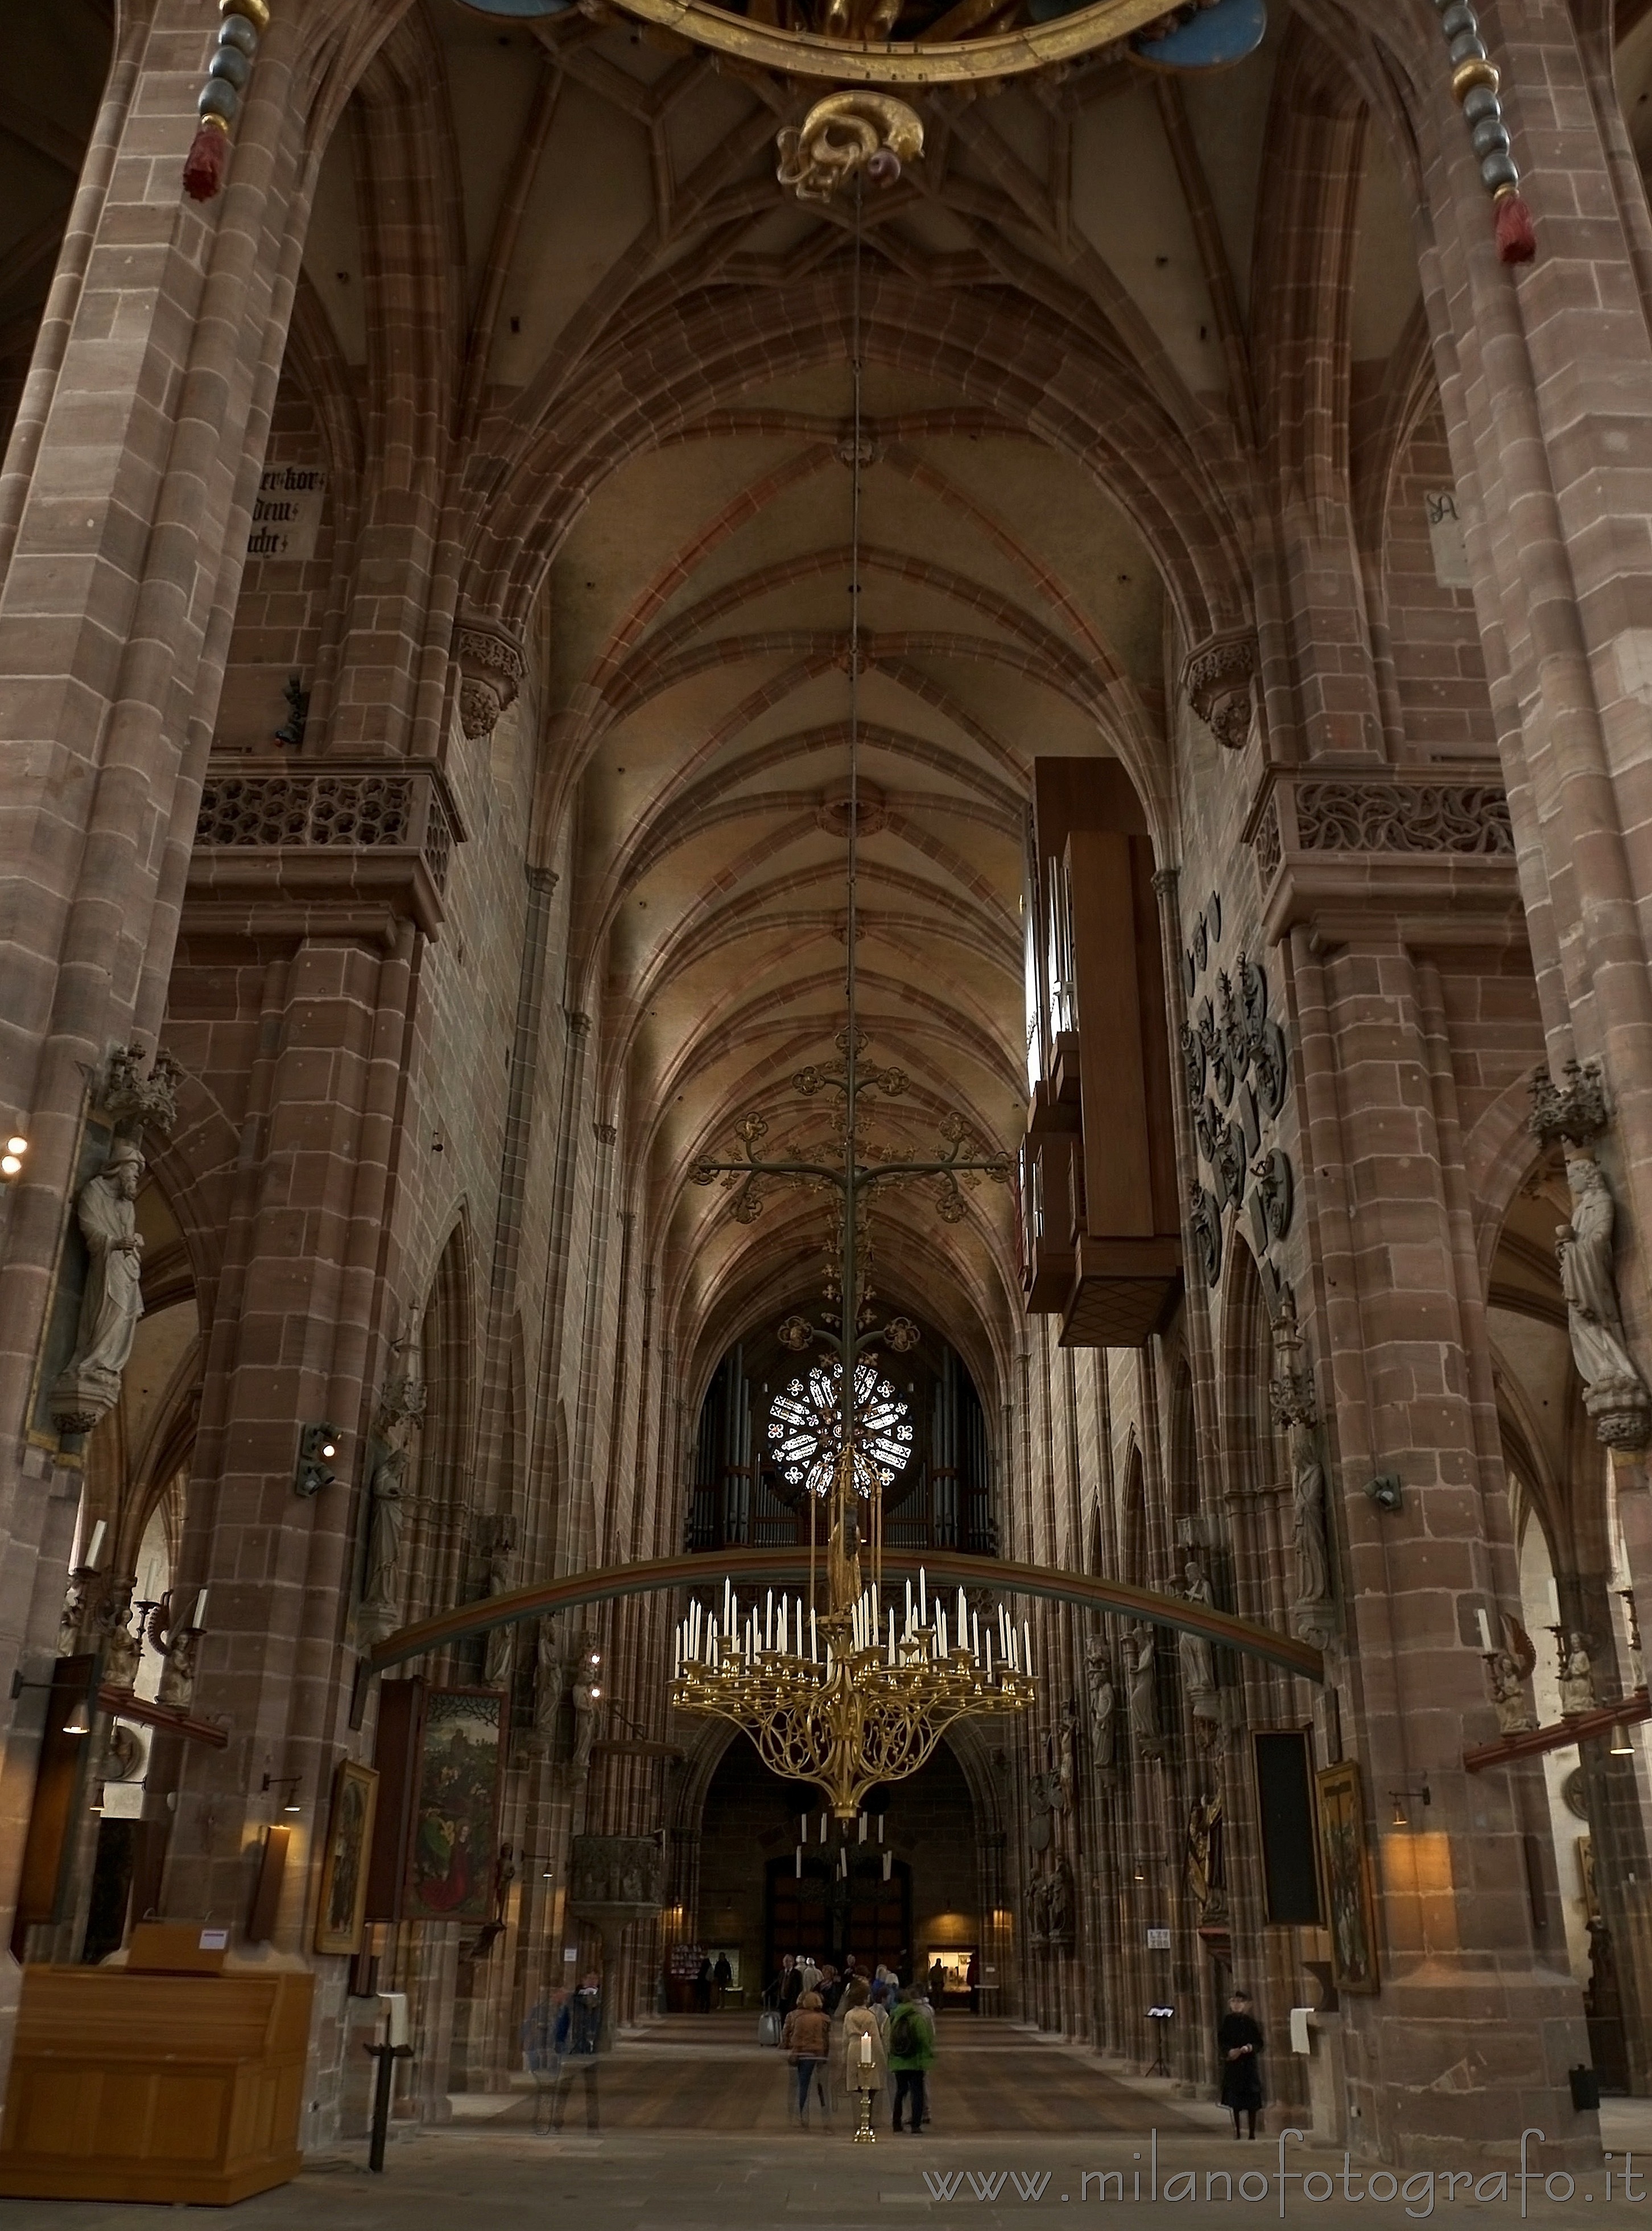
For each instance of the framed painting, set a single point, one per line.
(455, 1811)
(1345, 1861)
(340, 1915)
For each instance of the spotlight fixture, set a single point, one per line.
(11, 1161)
(318, 1446)
(1401, 1818)
(1622, 1746)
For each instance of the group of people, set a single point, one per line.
(860, 2031)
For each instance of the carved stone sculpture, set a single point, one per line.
(501, 1539)
(89, 1385)
(1307, 1524)
(1058, 1907)
(177, 1687)
(1066, 1756)
(1576, 1678)
(1218, 678)
(587, 1702)
(1198, 1662)
(1204, 1864)
(400, 1410)
(549, 1684)
(1140, 1658)
(1514, 1713)
(1103, 1710)
(1615, 1395)
(122, 1649)
(609, 1871)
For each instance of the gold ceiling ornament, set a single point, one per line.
(970, 42)
(845, 136)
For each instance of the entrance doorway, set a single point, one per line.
(828, 1917)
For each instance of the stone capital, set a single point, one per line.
(491, 667)
(1218, 679)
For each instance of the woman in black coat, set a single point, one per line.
(1239, 2040)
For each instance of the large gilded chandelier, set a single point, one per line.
(847, 1692)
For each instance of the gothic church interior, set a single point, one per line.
(925, 897)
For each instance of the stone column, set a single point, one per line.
(1550, 443)
(125, 503)
(1474, 2030)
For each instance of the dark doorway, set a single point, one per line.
(828, 1918)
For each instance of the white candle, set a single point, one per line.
(90, 1560)
(197, 1617)
(1026, 1641)
(1485, 1630)
(824, 1818)
(863, 1836)
(813, 1652)
(975, 1635)
(923, 1608)
(802, 1825)
(880, 1828)
(768, 1621)
(800, 1862)
(866, 2048)
(888, 1860)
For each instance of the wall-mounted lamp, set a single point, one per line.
(1402, 1799)
(78, 1721)
(318, 1446)
(1385, 1490)
(11, 1161)
(288, 1782)
(1623, 1747)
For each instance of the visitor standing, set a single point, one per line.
(1239, 2041)
(722, 1976)
(937, 1984)
(578, 2042)
(540, 2056)
(791, 1985)
(972, 1977)
(912, 2055)
(703, 1985)
(807, 2039)
(865, 2065)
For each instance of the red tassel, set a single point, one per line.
(1516, 241)
(206, 163)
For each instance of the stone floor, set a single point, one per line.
(1019, 2124)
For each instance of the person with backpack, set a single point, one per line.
(912, 2055)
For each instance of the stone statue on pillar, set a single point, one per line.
(401, 1408)
(88, 1386)
(1104, 1710)
(586, 1693)
(1198, 1660)
(1615, 1395)
(1140, 1654)
(1514, 1713)
(499, 1535)
(1573, 1115)
(1295, 1407)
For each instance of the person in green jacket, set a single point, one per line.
(911, 2051)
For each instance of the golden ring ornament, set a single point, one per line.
(953, 57)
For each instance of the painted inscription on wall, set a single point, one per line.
(287, 512)
(1446, 534)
